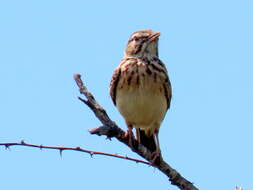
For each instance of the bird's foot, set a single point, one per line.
(156, 157)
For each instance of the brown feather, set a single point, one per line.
(114, 84)
(141, 89)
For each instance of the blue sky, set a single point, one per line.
(207, 133)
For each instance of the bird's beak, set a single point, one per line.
(154, 36)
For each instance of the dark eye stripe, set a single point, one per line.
(137, 38)
(138, 48)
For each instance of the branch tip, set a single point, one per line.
(83, 100)
(77, 76)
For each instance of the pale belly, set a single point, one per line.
(142, 107)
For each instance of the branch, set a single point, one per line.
(110, 129)
(61, 148)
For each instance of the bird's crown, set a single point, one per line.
(142, 42)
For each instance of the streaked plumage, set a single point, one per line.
(140, 87)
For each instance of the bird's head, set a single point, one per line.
(143, 43)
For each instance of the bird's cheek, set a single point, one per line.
(137, 48)
(130, 49)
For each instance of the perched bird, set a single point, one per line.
(140, 88)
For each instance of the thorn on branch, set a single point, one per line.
(61, 150)
(7, 147)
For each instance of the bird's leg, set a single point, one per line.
(138, 136)
(157, 153)
(129, 134)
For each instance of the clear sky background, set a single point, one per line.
(207, 47)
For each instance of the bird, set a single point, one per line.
(141, 90)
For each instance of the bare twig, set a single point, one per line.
(61, 148)
(110, 129)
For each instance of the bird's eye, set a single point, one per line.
(136, 39)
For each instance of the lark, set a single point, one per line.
(141, 90)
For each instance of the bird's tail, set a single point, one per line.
(147, 140)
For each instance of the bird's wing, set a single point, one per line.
(168, 91)
(117, 74)
(114, 83)
(167, 85)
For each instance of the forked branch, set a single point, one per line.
(111, 129)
